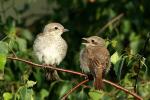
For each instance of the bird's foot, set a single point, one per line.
(90, 76)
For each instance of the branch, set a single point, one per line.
(123, 89)
(76, 73)
(47, 66)
(73, 89)
(110, 23)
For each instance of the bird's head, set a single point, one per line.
(54, 29)
(93, 41)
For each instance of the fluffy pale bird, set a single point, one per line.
(50, 48)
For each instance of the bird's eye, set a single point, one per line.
(56, 28)
(92, 41)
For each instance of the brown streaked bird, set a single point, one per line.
(50, 48)
(95, 58)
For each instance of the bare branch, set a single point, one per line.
(73, 89)
(110, 23)
(123, 89)
(47, 66)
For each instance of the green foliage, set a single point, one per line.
(127, 40)
(7, 96)
(2, 64)
(25, 92)
(96, 95)
(3, 55)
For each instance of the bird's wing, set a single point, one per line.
(84, 61)
(103, 57)
(37, 46)
(100, 58)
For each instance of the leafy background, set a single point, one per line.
(22, 20)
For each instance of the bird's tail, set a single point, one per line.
(98, 83)
(51, 75)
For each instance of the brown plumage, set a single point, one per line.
(95, 58)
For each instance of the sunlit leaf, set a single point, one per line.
(144, 90)
(7, 96)
(2, 64)
(30, 83)
(114, 43)
(115, 57)
(3, 47)
(3, 55)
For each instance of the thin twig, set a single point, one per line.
(77, 73)
(121, 88)
(73, 89)
(110, 23)
(48, 66)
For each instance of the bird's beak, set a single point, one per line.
(65, 30)
(85, 40)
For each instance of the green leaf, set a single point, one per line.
(30, 83)
(27, 35)
(63, 89)
(121, 63)
(60, 88)
(2, 64)
(10, 29)
(118, 62)
(3, 47)
(7, 96)
(127, 81)
(22, 44)
(115, 58)
(95, 95)
(24, 93)
(44, 93)
(134, 43)
(126, 26)
(114, 43)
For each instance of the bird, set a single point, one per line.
(95, 59)
(50, 48)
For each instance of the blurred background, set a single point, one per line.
(124, 24)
